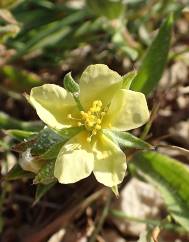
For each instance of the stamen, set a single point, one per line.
(71, 117)
(89, 139)
(94, 132)
(92, 119)
(98, 121)
(79, 124)
(98, 127)
(90, 124)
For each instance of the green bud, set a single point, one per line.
(70, 85)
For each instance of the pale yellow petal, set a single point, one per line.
(128, 110)
(98, 82)
(110, 162)
(53, 103)
(75, 160)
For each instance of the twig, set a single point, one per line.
(64, 219)
(26, 199)
(155, 234)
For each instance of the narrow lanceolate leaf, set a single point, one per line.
(8, 122)
(45, 140)
(20, 134)
(46, 174)
(155, 59)
(20, 80)
(171, 178)
(41, 190)
(108, 8)
(52, 152)
(18, 173)
(126, 139)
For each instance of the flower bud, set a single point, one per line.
(70, 85)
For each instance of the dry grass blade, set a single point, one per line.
(155, 234)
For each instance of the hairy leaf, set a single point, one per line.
(155, 59)
(171, 178)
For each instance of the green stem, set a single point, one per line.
(7, 122)
(164, 224)
(122, 215)
(102, 218)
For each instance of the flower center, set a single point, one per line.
(92, 119)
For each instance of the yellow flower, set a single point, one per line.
(105, 106)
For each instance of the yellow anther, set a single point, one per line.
(95, 102)
(90, 124)
(79, 124)
(94, 132)
(98, 121)
(92, 110)
(89, 139)
(92, 118)
(98, 127)
(98, 109)
(69, 115)
(99, 103)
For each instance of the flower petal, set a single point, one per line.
(128, 110)
(75, 160)
(53, 103)
(110, 162)
(98, 82)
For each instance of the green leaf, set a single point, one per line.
(171, 178)
(8, 3)
(46, 174)
(52, 152)
(49, 142)
(45, 140)
(69, 132)
(122, 46)
(20, 134)
(8, 31)
(8, 122)
(17, 173)
(109, 8)
(20, 79)
(155, 59)
(42, 190)
(127, 79)
(126, 139)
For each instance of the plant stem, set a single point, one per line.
(102, 218)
